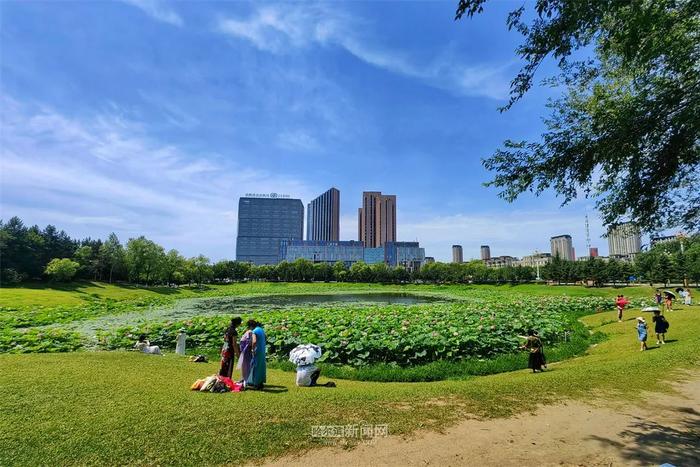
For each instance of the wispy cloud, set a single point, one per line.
(284, 29)
(105, 173)
(158, 10)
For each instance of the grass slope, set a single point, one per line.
(128, 408)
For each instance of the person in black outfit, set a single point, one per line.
(660, 327)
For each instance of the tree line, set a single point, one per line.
(32, 253)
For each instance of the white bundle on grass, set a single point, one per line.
(305, 354)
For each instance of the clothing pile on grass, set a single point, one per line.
(216, 383)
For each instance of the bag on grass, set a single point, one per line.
(197, 385)
(208, 383)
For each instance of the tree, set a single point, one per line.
(200, 269)
(143, 259)
(626, 131)
(61, 270)
(171, 264)
(112, 255)
(83, 256)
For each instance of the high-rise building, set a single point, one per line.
(624, 240)
(263, 222)
(323, 217)
(485, 252)
(593, 252)
(562, 246)
(377, 219)
(457, 256)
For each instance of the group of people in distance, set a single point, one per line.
(250, 353)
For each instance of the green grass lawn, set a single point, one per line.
(127, 408)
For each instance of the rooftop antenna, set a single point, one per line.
(588, 236)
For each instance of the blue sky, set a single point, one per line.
(147, 117)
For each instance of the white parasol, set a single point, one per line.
(305, 354)
(651, 308)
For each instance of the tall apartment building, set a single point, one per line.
(457, 256)
(377, 219)
(562, 246)
(263, 222)
(485, 252)
(323, 217)
(624, 240)
(593, 252)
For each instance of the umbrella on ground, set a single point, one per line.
(668, 292)
(305, 354)
(651, 308)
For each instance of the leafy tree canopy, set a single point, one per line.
(626, 131)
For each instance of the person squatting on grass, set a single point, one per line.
(660, 327)
(533, 345)
(642, 333)
(230, 349)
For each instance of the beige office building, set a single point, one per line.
(562, 246)
(377, 219)
(624, 240)
(457, 256)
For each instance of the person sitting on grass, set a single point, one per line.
(660, 327)
(642, 333)
(144, 345)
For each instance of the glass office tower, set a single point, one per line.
(263, 222)
(323, 217)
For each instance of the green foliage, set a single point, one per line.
(393, 334)
(61, 270)
(627, 129)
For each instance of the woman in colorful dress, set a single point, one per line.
(230, 349)
(258, 369)
(246, 360)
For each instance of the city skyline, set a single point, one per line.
(234, 98)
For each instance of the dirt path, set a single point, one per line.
(666, 428)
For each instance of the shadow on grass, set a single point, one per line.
(271, 388)
(653, 443)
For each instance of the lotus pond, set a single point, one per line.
(356, 329)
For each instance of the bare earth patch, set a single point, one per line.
(662, 428)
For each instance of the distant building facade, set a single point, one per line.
(323, 217)
(624, 241)
(377, 219)
(663, 239)
(562, 246)
(429, 259)
(374, 255)
(407, 254)
(322, 251)
(501, 261)
(593, 252)
(535, 260)
(263, 222)
(485, 252)
(457, 256)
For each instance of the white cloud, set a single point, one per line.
(282, 29)
(159, 10)
(298, 140)
(92, 176)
